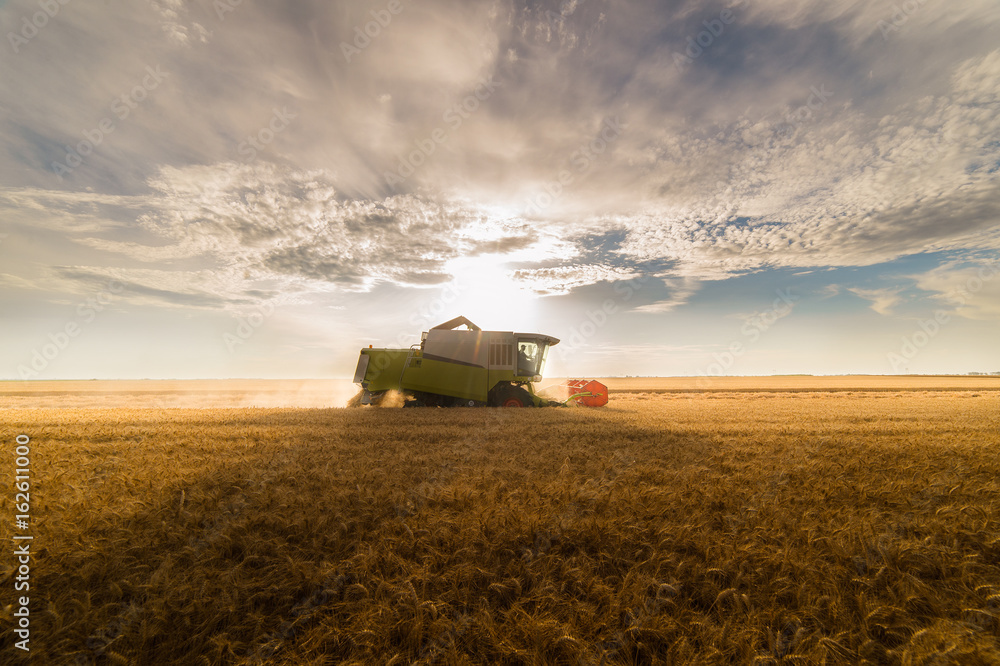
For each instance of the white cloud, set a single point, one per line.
(844, 188)
(681, 292)
(172, 18)
(882, 300)
(247, 232)
(563, 279)
(970, 289)
(761, 154)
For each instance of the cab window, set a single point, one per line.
(528, 358)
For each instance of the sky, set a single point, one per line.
(234, 188)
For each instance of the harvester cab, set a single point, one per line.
(454, 367)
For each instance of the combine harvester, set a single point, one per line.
(467, 368)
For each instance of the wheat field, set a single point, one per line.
(795, 524)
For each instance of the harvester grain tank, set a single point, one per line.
(451, 367)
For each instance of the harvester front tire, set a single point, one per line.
(513, 396)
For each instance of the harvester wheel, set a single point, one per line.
(512, 396)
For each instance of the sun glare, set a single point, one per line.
(489, 296)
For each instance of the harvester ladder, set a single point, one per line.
(406, 363)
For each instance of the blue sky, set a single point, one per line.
(212, 189)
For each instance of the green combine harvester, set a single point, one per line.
(466, 368)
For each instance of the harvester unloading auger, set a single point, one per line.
(467, 368)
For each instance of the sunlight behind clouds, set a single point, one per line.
(487, 294)
(539, 152)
